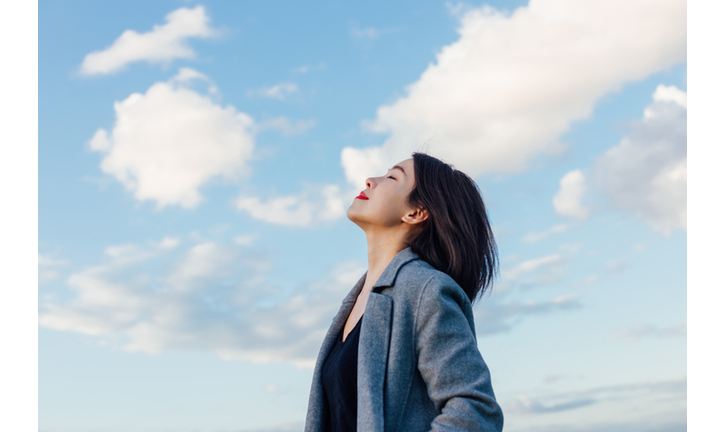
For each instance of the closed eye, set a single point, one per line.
(391, 177)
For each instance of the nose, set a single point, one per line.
(369, 182)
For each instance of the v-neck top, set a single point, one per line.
(339, 380)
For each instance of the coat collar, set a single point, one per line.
(388, 276)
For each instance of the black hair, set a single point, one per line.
(456, 238)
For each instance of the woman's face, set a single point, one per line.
(386, 198)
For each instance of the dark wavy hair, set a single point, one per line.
(456, 238)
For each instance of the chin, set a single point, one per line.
(350, 213)
(353, 215)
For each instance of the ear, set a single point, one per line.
(416, 216)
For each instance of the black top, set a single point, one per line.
(339, 380)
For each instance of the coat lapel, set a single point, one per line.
(315, 412)
(374, 343)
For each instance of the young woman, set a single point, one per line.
(401, 354)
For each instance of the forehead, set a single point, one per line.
(407, 165)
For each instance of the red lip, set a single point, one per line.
(362, 196)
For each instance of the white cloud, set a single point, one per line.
(571, 247)
(364, 32)
(506, 90)
(635, 332)
(367, 34)
(161, 45)
(533, 237)
(170, 141)
(492, 318)
(49, 268)
(532, 265)
(286, 126)
(622, 394)
(212, 296)
(667, 94)
(568, 400)
(186, 75)
(527, 405)
(208, 296)
(309, 68)
(279, 91)
(567, 200)
(287, 427)
(324, 203)
(246, 239)
(646, 172)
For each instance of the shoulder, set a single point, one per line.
(420, 283)
(438, 305)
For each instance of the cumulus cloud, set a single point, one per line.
(206, 296)
(646, 172)
(325, 203)
(161, 45)
(567, 200)
(513, 83)
(167, 143)
(279, 91)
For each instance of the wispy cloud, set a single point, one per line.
(287, 427)
(636, 332)
(206, 295)
(364, 32)
(564, 401)
(49, 268)
(537, 271)
(533, 237)
(646, 425)
(526, 405)
(309, 68)
(369, 33)
(278, 91)
(285, 126)
(493, 317)
(610, 267)
(246, 239)
(161, 45)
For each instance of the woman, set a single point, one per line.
(401, 354)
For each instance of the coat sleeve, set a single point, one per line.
(457, 378)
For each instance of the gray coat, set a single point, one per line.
(418, 367)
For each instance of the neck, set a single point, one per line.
(381, 249)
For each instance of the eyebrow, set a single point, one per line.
(399, 168)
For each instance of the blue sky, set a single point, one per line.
(196, 159)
